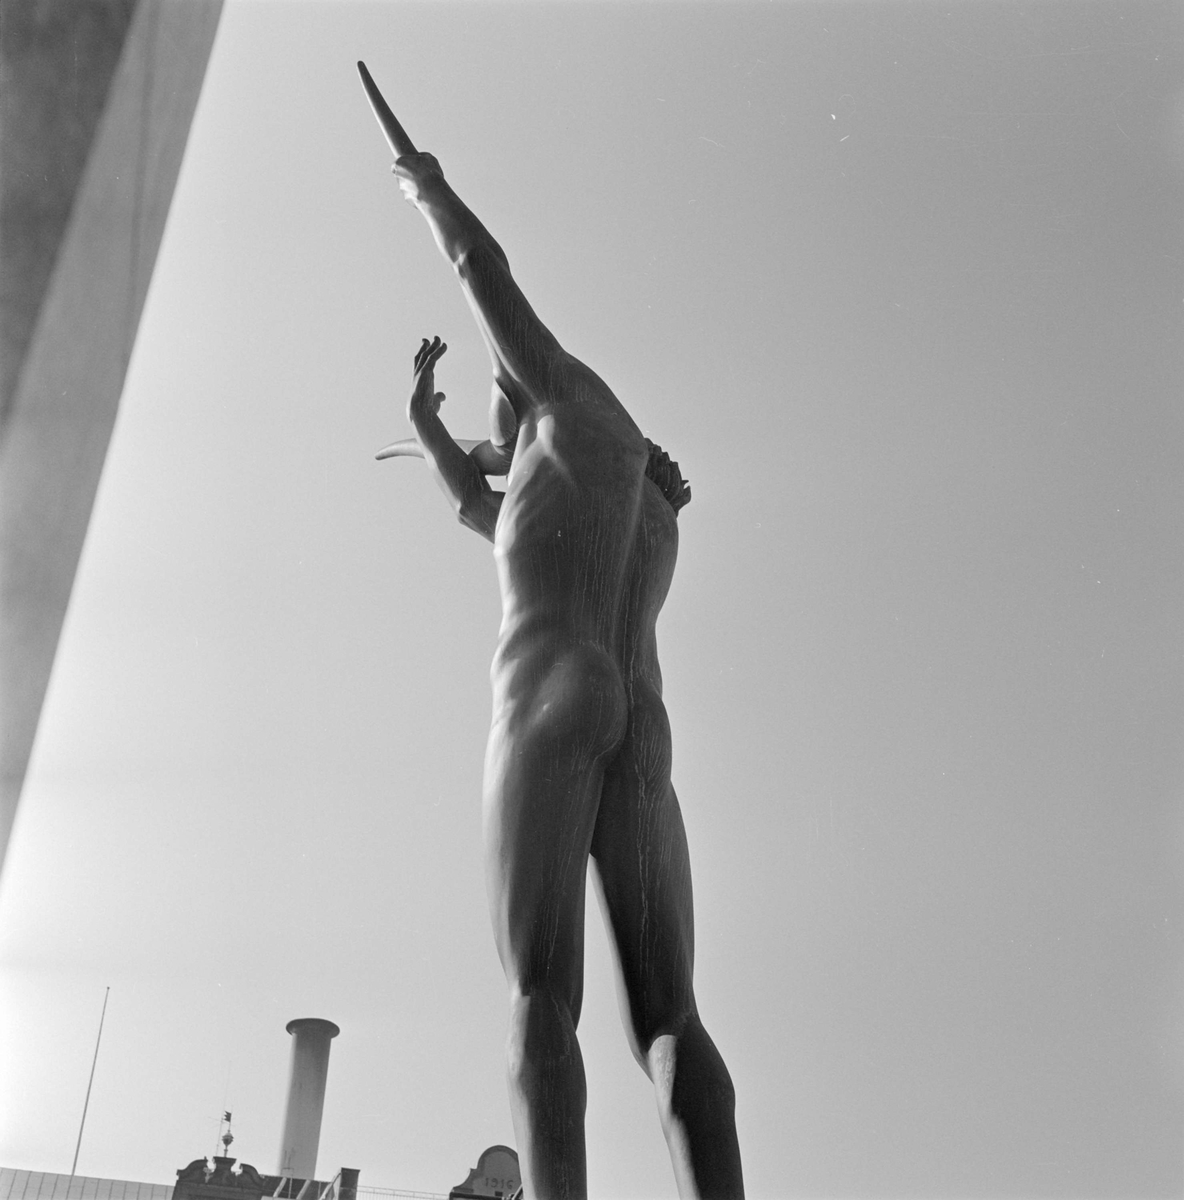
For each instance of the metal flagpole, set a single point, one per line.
(89, 1082)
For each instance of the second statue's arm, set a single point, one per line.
(459, 476)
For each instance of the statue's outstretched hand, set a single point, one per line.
(416, 173)
(425, 401)
(458, 473)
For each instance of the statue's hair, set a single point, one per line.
(663, 470)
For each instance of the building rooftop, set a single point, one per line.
(46, 1185)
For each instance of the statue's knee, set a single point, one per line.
(687, 1062)
(541, 1029)
(656, 1022)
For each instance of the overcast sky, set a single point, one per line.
(901, 288)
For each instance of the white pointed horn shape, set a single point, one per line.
(410, 447)
(394, 133)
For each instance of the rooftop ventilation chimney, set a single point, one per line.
(306, 1096)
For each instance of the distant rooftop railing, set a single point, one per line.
(373, 1191)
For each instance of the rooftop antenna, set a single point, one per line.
(89, 1083)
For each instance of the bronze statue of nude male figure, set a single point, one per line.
(578, 761)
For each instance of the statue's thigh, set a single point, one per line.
(643, 870)
(543, 776)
